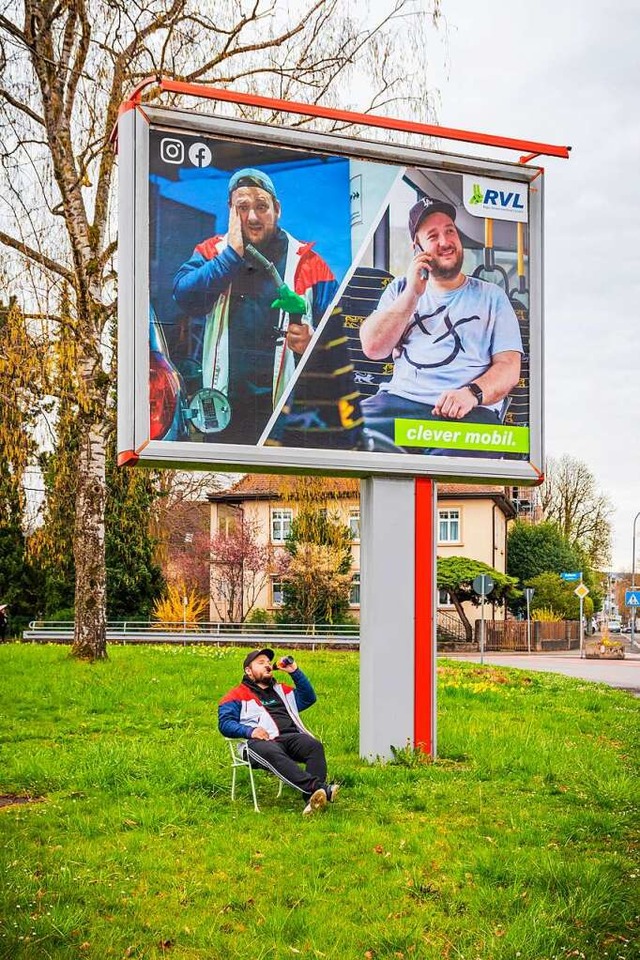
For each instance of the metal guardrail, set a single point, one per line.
(206, 633)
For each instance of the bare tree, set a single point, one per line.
(570, 498)
(240, 565)
(64, 70)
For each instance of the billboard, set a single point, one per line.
(301, 301)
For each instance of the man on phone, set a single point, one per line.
(266, 714)
(248, 338)
(454, 339)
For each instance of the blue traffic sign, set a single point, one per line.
(572, 576)
(632, 598)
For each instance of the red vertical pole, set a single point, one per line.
(424, 638)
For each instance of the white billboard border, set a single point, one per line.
(134, 445)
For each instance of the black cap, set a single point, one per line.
(250, 657)
(424, 208)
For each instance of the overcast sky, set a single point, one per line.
(568, 73)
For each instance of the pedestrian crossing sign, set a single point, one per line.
(632, 598)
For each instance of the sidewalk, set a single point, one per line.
(624, 674)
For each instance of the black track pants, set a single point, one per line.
(283, 755)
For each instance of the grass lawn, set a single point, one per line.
(520, 841)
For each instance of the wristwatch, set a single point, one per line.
(476, 391)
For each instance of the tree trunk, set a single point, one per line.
(90, 633)
(468, 629)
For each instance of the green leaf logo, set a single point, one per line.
(477, 196)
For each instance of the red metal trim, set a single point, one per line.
(424, 651)
(131, 104)
(128, 458)
(366, 119)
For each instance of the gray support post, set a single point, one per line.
(387, 629)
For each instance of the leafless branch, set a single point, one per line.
(22, 107)
(37, 257)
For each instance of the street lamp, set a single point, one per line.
(633, 578)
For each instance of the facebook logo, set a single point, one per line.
(200, 155)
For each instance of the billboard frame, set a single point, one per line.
(134, 445)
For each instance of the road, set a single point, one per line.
(624, 674)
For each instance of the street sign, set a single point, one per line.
(632, 598)
(528, 594)
(483, 584)
(572, 576)
(581, 591)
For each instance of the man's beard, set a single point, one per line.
(440, 272)
(261, 242)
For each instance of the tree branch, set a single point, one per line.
(22, 107)
(37, 257)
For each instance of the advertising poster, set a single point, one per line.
(314, 307)
(465, 323)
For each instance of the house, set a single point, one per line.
(472, 521)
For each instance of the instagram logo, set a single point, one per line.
(171, 151)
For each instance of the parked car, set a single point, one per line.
(614, 626)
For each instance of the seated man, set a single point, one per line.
(266, 714)
(454, 339)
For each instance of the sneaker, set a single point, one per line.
(332, 791)
(317, 801)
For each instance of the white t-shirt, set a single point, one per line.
(451, 338)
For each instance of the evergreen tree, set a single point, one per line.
(534, 548)
(456, 576)
(134, 579)
(51, 545)
(21, 381)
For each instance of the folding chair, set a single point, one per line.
(240, 758)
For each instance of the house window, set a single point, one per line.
(354, 524)
(277, 592)
(280, 525)
(444, 600)
(354, 596)
(448, 526)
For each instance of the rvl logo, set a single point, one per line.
(497, 198)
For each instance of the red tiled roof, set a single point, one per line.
(448, 489)
(269, 486)
(263, 485)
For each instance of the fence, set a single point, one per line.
(499, 634)
(512, 635)
(206, 633)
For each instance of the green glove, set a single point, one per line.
(289, 301)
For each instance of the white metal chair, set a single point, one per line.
(240, 758)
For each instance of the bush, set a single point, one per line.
(63, 613)
(546, 615)
(259, 615)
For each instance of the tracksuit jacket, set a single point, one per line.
(240, 711)
(203, 287)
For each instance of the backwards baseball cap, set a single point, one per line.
(250, 657)
(424, 208)
(249, 177)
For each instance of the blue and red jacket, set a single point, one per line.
(214, 265)
(240, 711)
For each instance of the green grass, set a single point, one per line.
(520, 841)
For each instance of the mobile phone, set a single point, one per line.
(424, 273)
